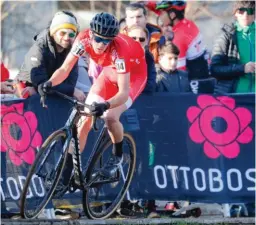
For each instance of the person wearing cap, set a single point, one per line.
(47, 54)
(186, 36)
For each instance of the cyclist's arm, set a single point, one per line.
(123, 82)
(62, 73)
(68, 86)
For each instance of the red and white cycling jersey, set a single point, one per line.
(188, 39)
(123, 52)
(123, 55)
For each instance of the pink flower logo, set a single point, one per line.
(19, 135)
(225, 142)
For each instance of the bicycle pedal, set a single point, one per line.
(73, 188)
(116, 177)
(74, 184)
(110, 173)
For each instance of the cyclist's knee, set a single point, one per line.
(111, 116)
(109, 120)
(115, 113)
(114, 125)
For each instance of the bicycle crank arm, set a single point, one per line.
(73, 185)
(93, 183)
(88, 185)
(108, 181)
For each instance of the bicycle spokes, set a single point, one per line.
(106, 190)
(47, 169)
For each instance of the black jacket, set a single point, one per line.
(42, 60)
(151, 72)
(225, 65)
(198, 67)
(176, 82)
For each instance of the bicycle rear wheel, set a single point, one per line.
(48, 166)
(102, 198)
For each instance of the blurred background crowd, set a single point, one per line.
(192, 43)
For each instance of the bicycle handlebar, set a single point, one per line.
(74, 102)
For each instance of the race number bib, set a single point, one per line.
(120, 65)
(77, 49)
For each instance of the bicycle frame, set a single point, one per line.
(71, 130)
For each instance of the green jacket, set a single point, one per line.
(246, 49)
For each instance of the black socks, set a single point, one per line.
(118, 149)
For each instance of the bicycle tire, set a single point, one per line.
(117, 202)
(54, 136)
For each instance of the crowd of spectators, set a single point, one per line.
(175, 45)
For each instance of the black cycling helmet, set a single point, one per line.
(171, 4)
(105, 24)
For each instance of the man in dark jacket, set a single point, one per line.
(233, 55)
(151, 79)
(48, 53)
(136, 14)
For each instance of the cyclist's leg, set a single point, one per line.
(101, 90)
(96, 94)
(83, 128)
(115, 127)
(112, 116)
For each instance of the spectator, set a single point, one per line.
(48, 53)
(6, 86)
(4, 73)
(233, 55)
(169, 78)
(187, 37)
(141, 35)
(136, 14)
(167, 30)
(122, 23)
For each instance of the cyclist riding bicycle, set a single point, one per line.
(123, 78)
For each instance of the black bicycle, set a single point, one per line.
(101, 195)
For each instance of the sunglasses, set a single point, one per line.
(101, 40)
(140, 39)
(70, 34)
(250, 11)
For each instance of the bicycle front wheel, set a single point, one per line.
(104, 196)
(46, 169)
